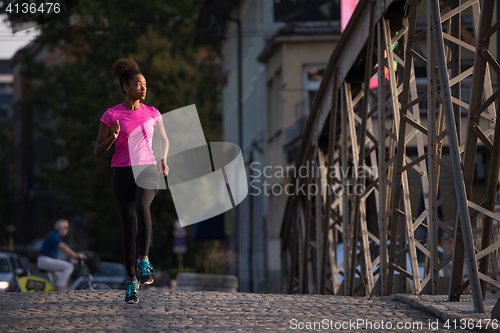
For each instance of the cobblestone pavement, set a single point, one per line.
(177, 311)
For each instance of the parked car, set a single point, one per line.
(34, 247)
(112, 274)
(10, 268)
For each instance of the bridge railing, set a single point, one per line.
(385, 169)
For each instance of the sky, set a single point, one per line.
(9, 42)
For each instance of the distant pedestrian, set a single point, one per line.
(133, 148)
(47, 257)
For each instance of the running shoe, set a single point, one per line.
(146, 271)
(132, 295)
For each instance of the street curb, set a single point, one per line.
(206, 282)
(443, 312)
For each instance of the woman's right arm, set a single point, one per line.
(105, 138)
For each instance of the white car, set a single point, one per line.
(340, 258)
(10, 269)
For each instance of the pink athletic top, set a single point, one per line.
(133, 146)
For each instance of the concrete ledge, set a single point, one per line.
(211, 282)
(444, 310)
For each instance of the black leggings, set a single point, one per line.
(132, 202)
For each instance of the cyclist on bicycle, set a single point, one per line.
(47, 257)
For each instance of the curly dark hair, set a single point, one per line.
(124, 69)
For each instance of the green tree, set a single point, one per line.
(77, 89)
(6, 179)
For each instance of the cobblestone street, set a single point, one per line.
(176, 311)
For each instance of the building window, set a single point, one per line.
(272, 213)
(5, 111)
(249, 24)
(313, 74)
(261, 6)
(275, 116)
(270, 112)
(5, 88)
(306, 10)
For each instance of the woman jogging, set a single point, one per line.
(120, 124)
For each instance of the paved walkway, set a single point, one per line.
(457, 314)
(204, 311)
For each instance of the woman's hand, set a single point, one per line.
(115, 129)
(104, 139)
(162, 165)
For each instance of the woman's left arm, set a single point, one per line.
(162, 135)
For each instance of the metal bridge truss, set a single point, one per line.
(354, 127)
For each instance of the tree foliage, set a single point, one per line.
(6, 179)
(77, 90)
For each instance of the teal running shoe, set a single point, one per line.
(146, 271)
(132, 295)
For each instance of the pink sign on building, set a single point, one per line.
(346, 9)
